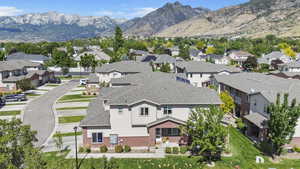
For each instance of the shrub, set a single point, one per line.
(127, 148)
(296, 149)
(118, 149)
(168, 150)
(239, 123)
(103, 149)
(84, 93)
(81, 149)
(88, 149)
(175, 150)
(183, 149)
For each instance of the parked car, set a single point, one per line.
(55, 80)
(2, 102)
(83, 81)
(15, 97)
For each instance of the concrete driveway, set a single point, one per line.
(39, 114)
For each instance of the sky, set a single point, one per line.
(114, 8)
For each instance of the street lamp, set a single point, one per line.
(75, 130)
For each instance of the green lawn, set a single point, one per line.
(15, 104)
(52, 85)
(243, 156)
(77, 100)
(70, 119)
(10, 113)
(75, 96)
(72, 108)
(67, 134)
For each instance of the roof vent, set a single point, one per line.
(252, 90)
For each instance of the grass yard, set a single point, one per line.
(77, 100)
(244, 154)
(15, 104)
(52, 85)
(67, 134)
(10, 113)
(72, 108)
(70, 119)
(75, 96)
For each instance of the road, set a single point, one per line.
(39, 114)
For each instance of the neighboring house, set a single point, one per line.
(99, 55)
(146, 58)
(290, 67)
(93, 84)
(253, 93)
(194, 54)
(277, 55)
(286, 75)
(16, 70)
(164, 59)
(144, 114)
(29, 57)
(216, 59)
(106, 72)
(133, 52)
(239, 57)
(174, 51)
(77, 49)
(200, 74)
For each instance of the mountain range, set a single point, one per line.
(255, 18)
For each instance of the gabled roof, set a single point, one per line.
(99, 55)
(205, 67)
(165, 119)
(165, 59)
(257, 119)
(16, 65)
(271, 56)
(30, 57)
(125, 67)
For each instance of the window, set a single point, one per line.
(120, 110)
(113, 139)
(191, 75)
(97, 137)
(167, 110)
(144, 111)
(170, 132)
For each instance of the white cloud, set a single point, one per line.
(129, 13)
(9, 11)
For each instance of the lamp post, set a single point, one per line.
(76, 156)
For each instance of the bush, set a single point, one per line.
(88, 149)
(127, 148)
(183, 149)
(239, 123)
(168, 150)
(296, 149)
(103, 149)
(175, 150)
(81, 149)
(118, 149)
(84, 93)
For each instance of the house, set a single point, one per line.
(239, 57)
(133, 52)
(164, 59)
(174, 51)
(29, 57)
(200, 74)
(213, 58)
(253, 93)
(286, 75)
(106, 72)
(276, 55)
(290, 67)
(144, 114)
(99, 55)
(195, 53)
(11, 72)
(146, 58)
(93, 84)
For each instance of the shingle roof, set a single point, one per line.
(96, 115)
(205, 67)
(14, 79)
(93, 78)
(257, 119)
(99, 55)
(16, 64)
(125, 67)
(267, 85)
(30, 57)
(271, 56)
(165, 59)
(164, 119)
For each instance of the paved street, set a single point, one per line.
(39, 112)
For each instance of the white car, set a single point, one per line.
(83, 81)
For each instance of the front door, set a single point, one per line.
(158, 138)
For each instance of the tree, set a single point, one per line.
(165, 67)
(206, 131)
(88, 61)
(283, 46)
(16, 145)
(275, 63)
(250, 63)
(34, 159)
(290, 52)
(184, 52)
(200, 45)
(210, 50)
(2, 55)
(118, 39)
(62, 60)
(228, 101)
(282, 123)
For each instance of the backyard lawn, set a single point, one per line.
(70, 119)
(10, 113)
(244, 154)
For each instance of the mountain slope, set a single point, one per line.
(53, 26)
(160, 19)
(256, 18)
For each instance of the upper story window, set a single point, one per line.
(144, 111)
(167, 110)
(191, 75)
(97, 137)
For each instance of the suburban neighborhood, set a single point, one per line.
(124, 98)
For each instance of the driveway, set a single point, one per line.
(39, 114)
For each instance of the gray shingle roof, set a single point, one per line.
(164, 119)
(96, 115)
(93, 78)
(257, 119)
(16, 64)
(99, 55)
(205, 67)
(271, 56)
(125, 67)
(267, 85)
(14, 79)
(30, 57)
(165, 59)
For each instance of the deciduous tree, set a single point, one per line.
(228, 102)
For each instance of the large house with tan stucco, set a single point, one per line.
(142, 110)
